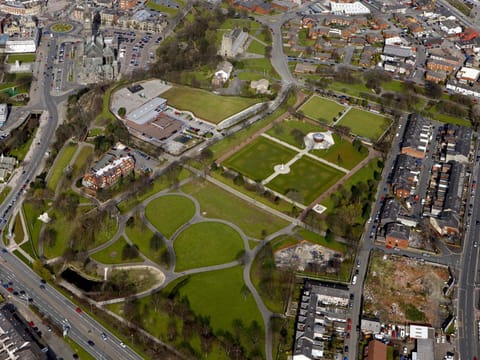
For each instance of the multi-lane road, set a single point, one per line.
(52, 303)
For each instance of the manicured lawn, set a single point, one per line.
(321, 109)
(18, 230)
(81, 160)
(237, 138)
(62, 161)
(220, 204)
(205, 244)
(22, 58)
(160, 183)
(365, 123)
(257, 159)
(249, 76)
(262, 65)
(393, 86)
(218, 295)
(113, 254)
(64, 229)
(308, 177)
(436, 115)
(168, 213)
(230, 24)
(171, 11)
(355, 90)
(256, 48)
(283, 130)
(206, 105)
(342, 153)
(32, 212)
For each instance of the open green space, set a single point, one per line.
(306, 181)
(285, 131)
(256, 48)
(303, 39)
(32, 211)
(257, 159)
(168, 213)
(320, 240)
(206, 105)
(342, 153)
(220, 204)
(436, 115)
(230, 24)
(321, 109)
(261, 66)
(4, 193)
(81, 161)
(365, 123)
(355, 89)
(237, 138)
(113, 254)
(62, 27)
(61, 162)
(250, 76)
(18, 230)
(159, 184)
(22, 58)
(205, 244)
(170, 11)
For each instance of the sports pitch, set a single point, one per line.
(365, 123)
(318, 108)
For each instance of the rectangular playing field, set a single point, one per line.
(365, 123)
(257, 159)
(309, 177)
(206, 105)
(321, 109)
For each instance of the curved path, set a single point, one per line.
(171, 275)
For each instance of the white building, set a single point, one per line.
(355, 8)
(3, 114)
(468, 75)
(22, 43)
(224, 71)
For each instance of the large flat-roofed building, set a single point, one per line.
(3, 114)
(354, 8)
(160, 128)
(148, 111)
(108, 171)
(24, 42)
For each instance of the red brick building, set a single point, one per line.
(126, 4)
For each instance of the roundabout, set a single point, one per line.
(62, 27)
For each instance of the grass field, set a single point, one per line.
(160, 183)
(219, 204)
(262, 65)
(283, 130)
(22, 58)
(321, 109)
(113, 254)
(308, 178)
(81, 160)
(32, 212)
(170, 11)
(18, 230)
(256, 48)
(218, 294)
(62, 161)
(364, 123)
(342, 153)
(168, 213)
(205, 244)
(206, 105)
(257, 159)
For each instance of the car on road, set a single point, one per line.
(475, 244)
(104, 336)
(91, 343)
(345, 349)
(42, 286)
(123, 345)
(4, 251)
(78, 310)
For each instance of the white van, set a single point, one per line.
(354, 280)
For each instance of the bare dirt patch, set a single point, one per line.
(403, 290)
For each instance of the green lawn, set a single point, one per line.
(342, 153)
(205, 244)
(170, 11)
(220, 204)
(256, 48)
(365, 123)
(350, 89)
(81, 161)
(160, 183)
(18, 230)
(206, 105)
(436, 115)
(303, 40)
(32, 212)
(218, 295)
(283, 130)
(307, 180)
(4, 193)
(64, 229)
(62, 161)
(321, 109)
(320, 240)
(168, 213)
(257, 159)
(263, 66)
(22, 58)
(249, 76)
(230, 24)
(113, 254)
(237, 138)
